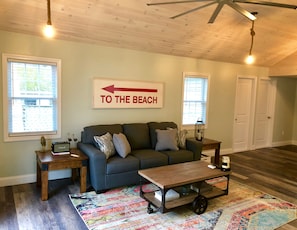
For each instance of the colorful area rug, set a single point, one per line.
(244, 208)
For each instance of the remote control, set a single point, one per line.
(74, 155)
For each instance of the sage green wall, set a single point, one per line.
(82, 62)
(285, 111)
(294, 138)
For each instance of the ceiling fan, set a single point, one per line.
(232, 3)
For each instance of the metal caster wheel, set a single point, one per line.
(200, 204)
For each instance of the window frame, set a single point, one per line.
(29, 135)
(195, 75)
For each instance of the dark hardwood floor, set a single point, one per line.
(271, 170)
(22, 208)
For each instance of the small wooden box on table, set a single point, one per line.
(178, 175)
(47, 161)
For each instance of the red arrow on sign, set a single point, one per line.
(112, 89)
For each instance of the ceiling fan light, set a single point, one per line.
(49, 31)
(250, 59)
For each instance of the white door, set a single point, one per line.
(244, 109)
(264, 113)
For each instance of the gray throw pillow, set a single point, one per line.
(181, 137)
(104, 143)
(121, 144)
(166, 139)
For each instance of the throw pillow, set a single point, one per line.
(121, 144)
(166, 139)
(104, 143)
(182, 135)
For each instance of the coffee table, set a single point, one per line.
(180, 177)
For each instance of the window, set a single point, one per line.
(31, 97)
(195, 97)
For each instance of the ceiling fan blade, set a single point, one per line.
(192, 10)
(176, 2)
(268, 3)
(241, 10)
(216, 12)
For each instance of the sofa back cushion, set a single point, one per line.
(158, 125)
(98, 130)
(138, 135)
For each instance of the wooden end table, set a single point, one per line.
(47, 161)
(208, 144)
(212, 144)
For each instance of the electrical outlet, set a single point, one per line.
(283, 132)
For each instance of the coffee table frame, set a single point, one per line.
(177, 176)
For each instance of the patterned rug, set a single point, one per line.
(244, 208)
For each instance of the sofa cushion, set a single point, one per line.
(149, 158)
(180, 156)
(158, 125)
(98, 130)
(137, 135)
(166, 139)
(105, 144)
(117, 164)
(121, 144)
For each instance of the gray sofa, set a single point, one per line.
(117, 171)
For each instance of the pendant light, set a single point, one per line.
(48, 29)
(250, 58)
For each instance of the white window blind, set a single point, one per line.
(194, 99)
(32, 97)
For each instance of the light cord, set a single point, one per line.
(252, 34)
(49, 21)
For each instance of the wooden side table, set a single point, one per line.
(46, 161)
(212, 144)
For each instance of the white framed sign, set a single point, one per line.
(108, 93)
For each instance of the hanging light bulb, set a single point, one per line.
(250, 58)
(48, 29)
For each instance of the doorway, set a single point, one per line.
(244, 113)
(264, 113)
(253, 116)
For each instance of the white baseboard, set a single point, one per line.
(211, 152)
(226, 151)
(294, 142)
(281, 143)
(31, 178)
(14, 180)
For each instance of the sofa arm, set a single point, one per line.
(97, 164)
(195, 147)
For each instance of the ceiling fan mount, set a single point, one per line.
(220, 3)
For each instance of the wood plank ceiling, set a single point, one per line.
(134, 25)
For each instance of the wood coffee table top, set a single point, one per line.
(171, 176)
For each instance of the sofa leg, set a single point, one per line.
(90, 189)
(101, 191)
